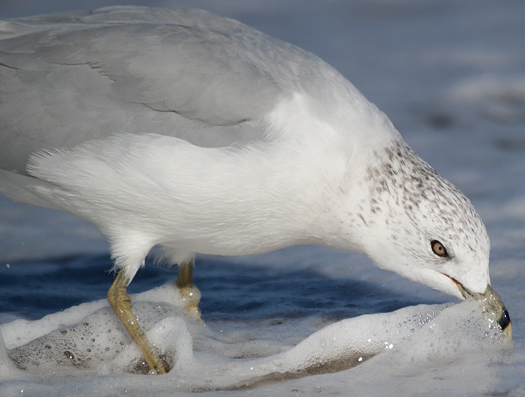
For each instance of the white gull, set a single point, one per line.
(197, 134)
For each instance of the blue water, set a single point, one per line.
(230, 291)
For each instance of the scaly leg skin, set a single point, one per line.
(188, 291)
(120, 301)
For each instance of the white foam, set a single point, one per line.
(97, 355)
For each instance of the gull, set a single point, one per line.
(193, 133)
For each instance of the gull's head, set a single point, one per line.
(414, 222)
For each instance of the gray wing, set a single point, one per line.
(184, 73)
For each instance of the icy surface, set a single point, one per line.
(450, 75)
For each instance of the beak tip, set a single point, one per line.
(493, 304)
(504, 320)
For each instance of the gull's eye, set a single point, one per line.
(438, 248)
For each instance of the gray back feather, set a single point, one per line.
(185, 73)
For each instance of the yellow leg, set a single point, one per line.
(189, 292)
(120, 301)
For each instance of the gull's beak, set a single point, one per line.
(492, 305)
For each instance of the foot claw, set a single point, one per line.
(189, 293)
(191, 296)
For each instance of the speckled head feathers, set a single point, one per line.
(411, 206)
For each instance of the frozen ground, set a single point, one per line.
(451, 76)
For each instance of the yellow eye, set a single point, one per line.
(438, 248)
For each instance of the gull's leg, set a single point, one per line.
(188, 290)
(120, 301)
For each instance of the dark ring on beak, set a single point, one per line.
(504, 320)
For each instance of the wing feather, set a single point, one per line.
(183, 73)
